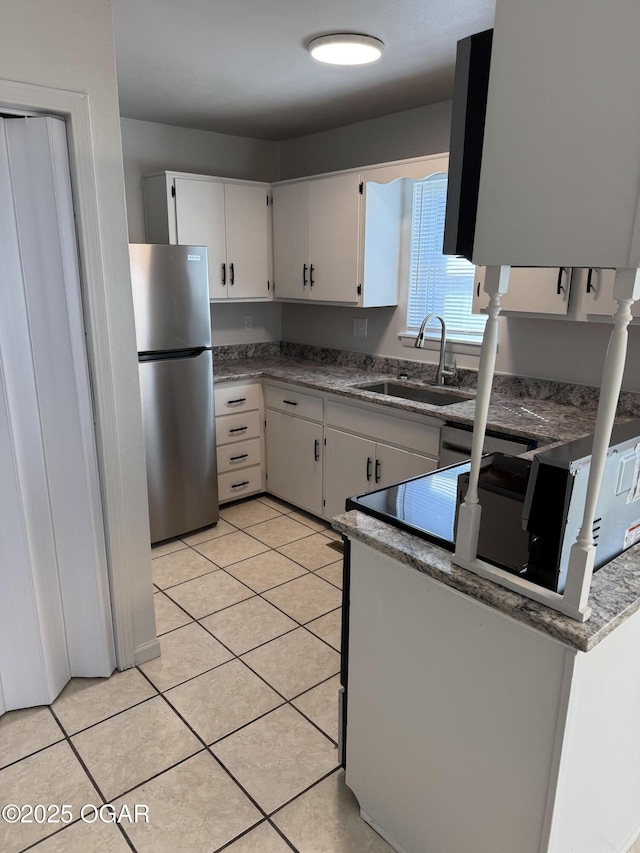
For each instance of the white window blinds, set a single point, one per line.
(439, 283)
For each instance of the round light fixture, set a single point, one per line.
(346, 49)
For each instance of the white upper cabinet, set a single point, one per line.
(232, 219)
(344, 238)
(316, 230)
(334, 208)
(563, 94)
(592, 296)
(532, 290)
(291, 240)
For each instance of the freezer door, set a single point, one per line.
(170, 297)
(180, 444)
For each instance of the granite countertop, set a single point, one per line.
(544, 420)
(615, 589)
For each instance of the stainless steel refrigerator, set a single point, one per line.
(173, 334)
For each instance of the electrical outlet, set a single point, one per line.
(248, 322)
(360, 327)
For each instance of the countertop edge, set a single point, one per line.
(437, 564)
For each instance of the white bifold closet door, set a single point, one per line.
(55, 615)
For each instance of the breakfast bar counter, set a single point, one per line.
(466, 699)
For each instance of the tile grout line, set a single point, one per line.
(216, 759)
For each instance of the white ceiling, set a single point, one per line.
(241, 66)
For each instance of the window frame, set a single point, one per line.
(463, 341)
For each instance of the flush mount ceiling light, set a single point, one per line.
(346, 49)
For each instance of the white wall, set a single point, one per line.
(69, 45)
(412, 133)
(228, 323)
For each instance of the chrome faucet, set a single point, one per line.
(419, 344)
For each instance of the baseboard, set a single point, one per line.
(147, 651)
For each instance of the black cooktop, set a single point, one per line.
(425, 506)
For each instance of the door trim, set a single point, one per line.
(115, 478)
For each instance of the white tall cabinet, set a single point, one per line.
(231, 218)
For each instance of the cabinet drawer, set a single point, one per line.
(392, 429)
(240, 454)
(236, 398)
(237, 484)
(294, 403)
(234, 427)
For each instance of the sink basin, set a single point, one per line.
(434, 396)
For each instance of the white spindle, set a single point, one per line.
(626, 291)
(496, 284)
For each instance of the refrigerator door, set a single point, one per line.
(170, 297)
(180, 443)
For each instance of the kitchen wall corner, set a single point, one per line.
(151, 147)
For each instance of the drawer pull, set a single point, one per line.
(304, 275)
(239, 400)
(239, 485)
(316, 450)
(239, 429)
(236, 458)
(290, 402)
(589, 277)
(369, 461)
(224, 274)
(377, 470)
(232, 277)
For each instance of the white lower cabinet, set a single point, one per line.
(319, 451)
(355, 465)
(294, 460)
(239, 440)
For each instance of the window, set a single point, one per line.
(439, 283)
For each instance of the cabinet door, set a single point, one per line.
(291, 240)
(334, 206)
(394, 465)
(593, 294)
(200, 222)
(246, 218)
(294, 460)
(532, 290)
(348, 469)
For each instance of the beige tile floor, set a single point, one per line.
(230, 737)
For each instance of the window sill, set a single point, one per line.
(408, 339)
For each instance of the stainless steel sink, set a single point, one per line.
(434, 396)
